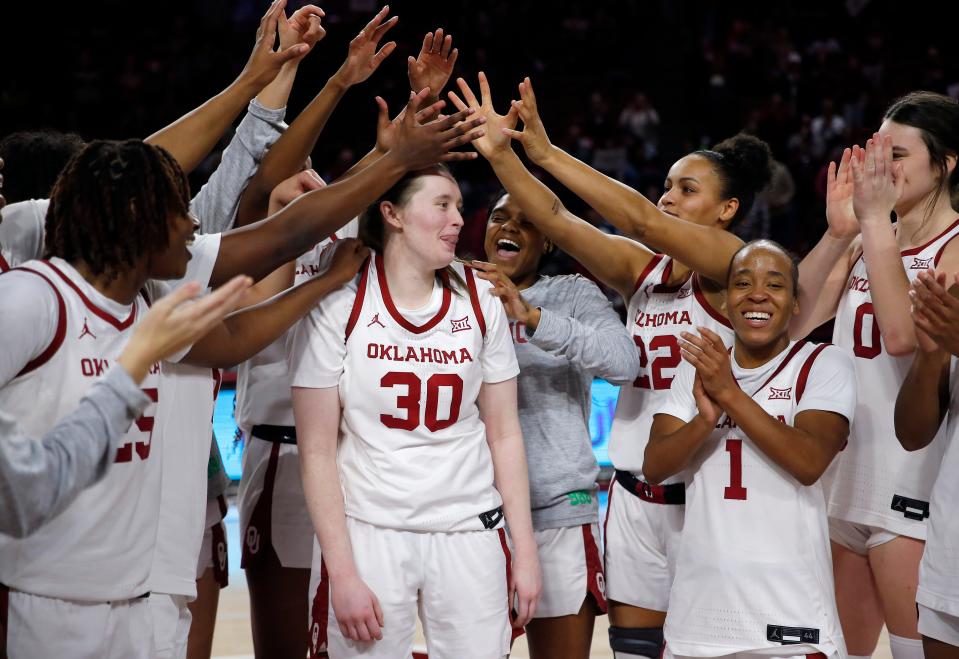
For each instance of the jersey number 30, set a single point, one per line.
(410, 401)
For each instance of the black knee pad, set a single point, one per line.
(638, 641)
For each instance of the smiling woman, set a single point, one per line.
(753, 429)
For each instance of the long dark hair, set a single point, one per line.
(937, 118)
(112, 205)
(372, 230)
(744, 165)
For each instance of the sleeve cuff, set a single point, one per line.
(545, 334)
(120, 382)
(271, 115)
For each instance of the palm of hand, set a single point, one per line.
(840, 213)
(430, 70)
(359, 64)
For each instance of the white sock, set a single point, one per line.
(905, 648)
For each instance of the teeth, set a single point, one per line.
(505, 242)
(757, 315)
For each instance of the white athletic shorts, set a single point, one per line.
(213, 550)
(938, 625)
(48, 627)
(667, 654)
(572, 570)
(858, 538)
(272, 506)
(457, 582)
(171, 625)
(641, 540)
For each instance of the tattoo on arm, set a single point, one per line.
(556, 205)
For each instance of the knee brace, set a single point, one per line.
(636, 642)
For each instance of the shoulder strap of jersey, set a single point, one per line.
(358, 300)
(4, 266)
(788, 358)
(653, 262)
(58, 336)
(703, 302)
(804, 371)
(474, 299)
(942, 248)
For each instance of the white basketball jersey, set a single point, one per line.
(753, 570)
(939, 569)
(100, 547)
(263, 381)
(656, 315)
(412, 450)
(875, 481)
(21, 232)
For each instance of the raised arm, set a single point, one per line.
(292, 149)
(628, 210)
(877, 185)
(191, 137)
(615, 260)
(260, 248)
(825, 269)
(497, 406)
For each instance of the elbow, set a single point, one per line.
(899, 344)
(808, 477)
(653, 473)
(624, 372)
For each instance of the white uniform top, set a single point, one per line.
(100, 547)
(766, 577)
(263, 382)
(184, 425)
(656, 315)
(412, 447)
(875, 481)
(21, 232)
(939, 569)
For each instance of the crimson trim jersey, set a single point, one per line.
(412, 450)
(99, 548)
(875, 481)
(656, 315)
(753, 571)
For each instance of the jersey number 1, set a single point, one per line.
(735, 490)
(410, 401)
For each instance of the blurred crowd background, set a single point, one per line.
(627, 86)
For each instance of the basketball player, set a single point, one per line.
(753, 429)
(427, 446)
(860, 273)
(564, 330)
(705, 192)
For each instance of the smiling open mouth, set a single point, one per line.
(506, 248)
(757, 318)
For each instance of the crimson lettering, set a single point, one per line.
(663, 318)
(727, 422)
(94, 368)
(394, 353)
(860, 284)
(519, 331)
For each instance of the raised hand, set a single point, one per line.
(363, 57)
(420, 145)
(265, 63)
(877, 181)
(707, 353)
(495, 140)
(935, 311)
(387, 129)
(516, 306)
(290, 188)
(304, 26)
(434, 65)
(533, 137)
(839, 194)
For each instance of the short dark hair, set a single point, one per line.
(113, 203)
(773, 245)
(34, 160)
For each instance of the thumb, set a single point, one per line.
(514, 134)
(384, 116)
(292, 53)
(410, 61)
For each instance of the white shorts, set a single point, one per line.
(171, 625)
(272, 506)
(456, 581)
(641, 540)
(858, 538)
(213, 549)
(39, 626)
(667, 654)
(572, 570)
(938, 625)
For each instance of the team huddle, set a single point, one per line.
(416, 425)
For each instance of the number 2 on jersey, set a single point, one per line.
(668, 360)
(410, 401)
(144, 424)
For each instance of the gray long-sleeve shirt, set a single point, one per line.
(579, 337)
(40, 477)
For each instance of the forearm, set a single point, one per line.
(604, 350)
(324, 499)
(249, 331)
(512, 482)
(364, 162)
(287, 156)
(803, 456)
(276, 94)
(920, 406)
(822, 277)
(888, 286)
(38, 479)
(667, 454)
(191, 137)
